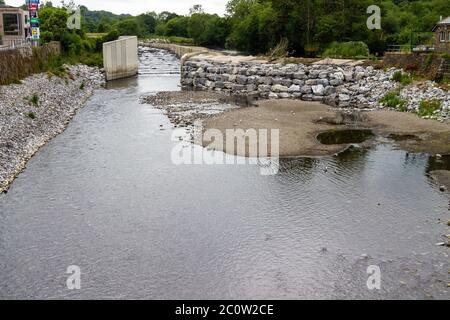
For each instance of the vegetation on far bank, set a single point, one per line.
(335, 28)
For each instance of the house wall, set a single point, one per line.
(8, 39)
(439, 46)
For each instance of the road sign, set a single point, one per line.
(33, 7)
(34, 20)
(32, 2)
(35, 33)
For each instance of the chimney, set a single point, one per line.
(440, 19)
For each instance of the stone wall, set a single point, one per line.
(442, 46)
(426, 64)
(335, 85)
(16, 64)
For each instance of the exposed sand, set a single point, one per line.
(442, 177)
(299, 123)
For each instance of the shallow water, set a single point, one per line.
(105, 196)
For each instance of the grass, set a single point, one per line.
(34, 100)
(428, 107)
(279, 51)
(403, 78)
(54, 67)
(351, 49)
(95, 35)
(393, 100)
(30, 115)
(82, 86)
(175, 40)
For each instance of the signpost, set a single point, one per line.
(33, 7)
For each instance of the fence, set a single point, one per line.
(14, 44)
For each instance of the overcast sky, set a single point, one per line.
(135, 7)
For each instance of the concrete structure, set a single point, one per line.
(14, 25)
(176, 49)
(442, 36)
(120, 58)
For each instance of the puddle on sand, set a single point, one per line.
(440, 162)
(344, 136)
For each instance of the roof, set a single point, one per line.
(445, 21)
(3, 6)
(442, 22)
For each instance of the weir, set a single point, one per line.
(120, 58)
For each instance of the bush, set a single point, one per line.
(393, 100)
(350, 49)
(428, 107)
(280, 50)
(403, 78)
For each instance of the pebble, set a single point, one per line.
(21, 136)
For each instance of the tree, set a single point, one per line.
(197, 8)
(127, 27)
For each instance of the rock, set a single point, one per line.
(344, 97)
(265, 80)
(294, 88)
(283, 95)
(264, 88)
(273, 95)
(241, 80)
(318, 90)
(300, 75)
(442, 188)
(279, 88)
(329, 90)
(311, 82)
(306, 89)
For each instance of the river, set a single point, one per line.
(105, 196)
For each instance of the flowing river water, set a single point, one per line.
(105, 196)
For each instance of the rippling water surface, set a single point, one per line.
(105, 196)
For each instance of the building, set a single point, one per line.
(442, 36)
(14, 25)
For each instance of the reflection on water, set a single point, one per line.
(105, 196)
(441, 162)
(344, 136)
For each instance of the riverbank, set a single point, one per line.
(300, 122)
(36, 110)
(336, 83)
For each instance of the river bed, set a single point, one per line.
(105, 196)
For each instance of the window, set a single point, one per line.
(449, 37)
(12, 24)
(442, 36)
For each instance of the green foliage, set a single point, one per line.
(403, 78)
(428, 61)
(280, 50)
(82, 85)
(428, 107)
(30, 115)
(34, 100)
(393, 100)
(351, 49)
(334, 28)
